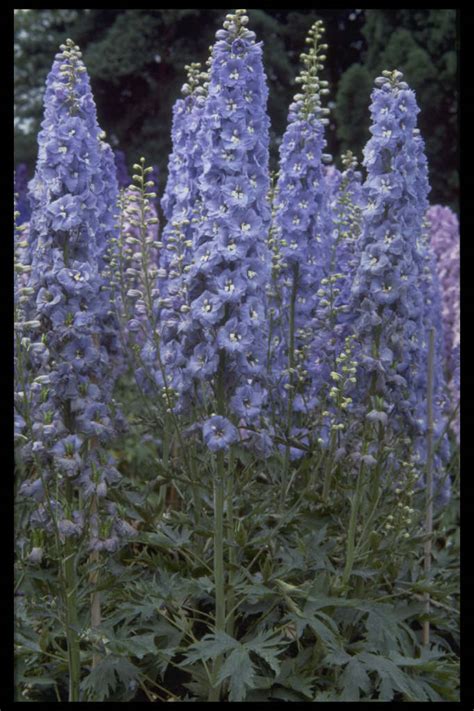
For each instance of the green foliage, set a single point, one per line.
(297, 631)
(298, 634)
(110, 674)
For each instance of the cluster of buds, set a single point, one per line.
(68, 71)
(235, 26)
(309, 101)
(391, 80)
(343, 377)
(197, 80)
(402, 517)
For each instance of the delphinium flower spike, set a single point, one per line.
(220, 330)
(332, 319)
(303, 227)
(184, 162)
(391, 320)
(442, 407)
(72, 388)
(181, 207)
(443, 226)
(184, 167)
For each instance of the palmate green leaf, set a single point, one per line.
(238, 668)
(391, 677)
(142, 611)
(301, 620)
(107, 675)
(167, 536)
(25, 645)
(297, 674)
(353, 680)
(267, 646)
(209, 647)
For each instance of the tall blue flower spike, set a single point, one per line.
(228, 277)
(303, 227)
(333, 320)
(391, 294)
(212, 317)
(73, 196)
(180, 204)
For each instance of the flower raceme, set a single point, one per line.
(73, 197)
(390, 310)
(302, 227)
(215, 303)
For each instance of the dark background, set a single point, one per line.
(136, 59)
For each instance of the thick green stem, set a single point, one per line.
(72, 621)
(429, 482)
(219, 579)
(231, 554)
(94, 560)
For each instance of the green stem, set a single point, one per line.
(219, 582)
(429, 482)
(350, 549)
(230, 536)
(195, 489)
(72, 621)
(94, 561)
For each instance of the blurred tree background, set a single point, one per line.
(136, 60)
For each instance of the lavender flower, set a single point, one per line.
(73, 196)
(302, 226)
(394, 314)
(210, 301)
(332, 321)
(184, 164)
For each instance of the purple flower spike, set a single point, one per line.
(70, 359)
(395, 292)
